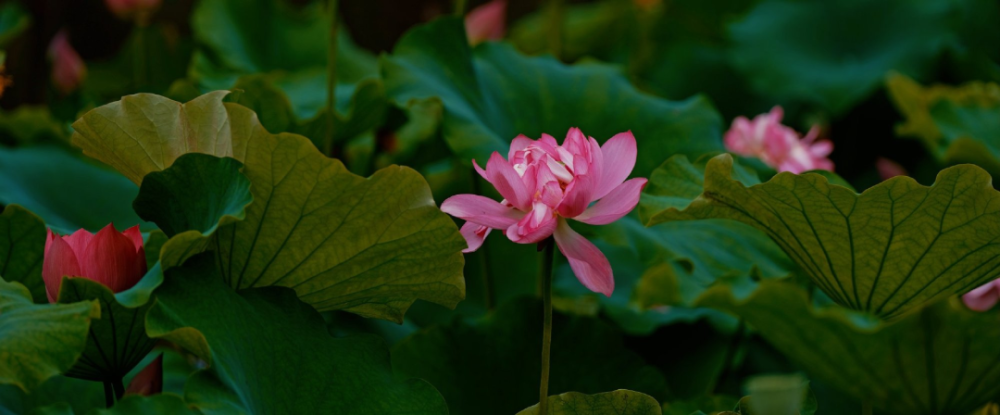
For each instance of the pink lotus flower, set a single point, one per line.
(543, 185)
(149, 381)
(486, 22)
(68, 69)
(132, 9)
(777, 145)
(115, 259)
(984, 297)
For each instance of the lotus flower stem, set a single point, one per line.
(555, 28)
(138, 56)
(119, 386)
(109, 394)
(545, 285)
(331, 79)
(485, 257)
(459, 8)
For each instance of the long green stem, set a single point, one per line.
(731, 352)
(331, 80)
(119, 386)
(555, 28)
(109, 394)
(545, 283)
(866, 408)
(139, 56)
(487, 272)
(459, 8)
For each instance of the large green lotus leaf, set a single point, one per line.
(39, 341)
(289, 45)
(243, 335)
(370, 246)
(840, 50)
(469, 364)
(915, 102)
(80, 396)
(297, 103)
(117, 342)
(895, 246)
(971, 132)
(164, 404)
(603, 30)
(706, 404)
(493, 93)
(144, 133)
(237, 37)
(30, 124)
(940, 359)
(66, 191)
(619, 402)
(22, 249)
(190, 200)
(198, 192)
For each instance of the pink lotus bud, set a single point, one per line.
(132, 9)
(115, 259)
(149, 381)
(486, 22)
(777, 145)
(68, 69)
(544, 184)
(888, 169)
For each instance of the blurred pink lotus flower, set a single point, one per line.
(984, 297)
(132, 9)
(115, 259)
(888, 169)
(149, 381)
(543, 185)
(68, 69)
(486, 22)
(777, 145)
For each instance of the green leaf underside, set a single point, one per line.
(671, 264)
(941, 359)
(243, 335)
(370, 246)
(492, 93)
(116, 342)
(504, 345)
(164, 404)
(834, 65)
(198, 192)
(39, 341)
(22, 250)
(705, 404)
(67, 192)
(896, 246)
(619, 402)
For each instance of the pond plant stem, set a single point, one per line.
(545, 284)
(109, 394)
(555, 28)
(331, 79)
(459, 8)
(488, 296)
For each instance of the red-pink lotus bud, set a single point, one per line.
(115, 259)
(486, 22)
(131, 9)
(149, 381)
(68, 69)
